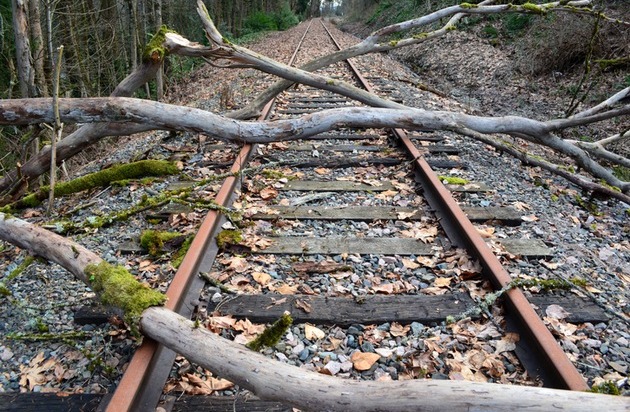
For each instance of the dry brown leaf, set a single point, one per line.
(485, 231)
(239, 264)
(396, 329)
(410, 264)
(363, 361)
(313, 333)
(268, 193)
(261, 277)
(322, 171)
(386, 195)
(386, 288)
(285, 289)
(443, 282)
(508, 343)
(426, 262)
(529, 218)
(305, 306)
(406, 215)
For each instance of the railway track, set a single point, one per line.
(355, 235)
(360, 187)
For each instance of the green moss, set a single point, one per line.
(229, 237)
(153, 240)
(545, 284)
(21, 268)
(608, 388)
(38, 337)
(178, 257)
(581, 282)
(119, 288)
(271, 336)
(453, 180)
(330, 82)
(154, 50)
(554, 198)
(4, 291)
(102, 178)
(393, 43)
(622, 173)
(420, 36)
(534, 8)
(468, 6)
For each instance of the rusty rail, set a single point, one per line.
(141, 386)
(557, 365)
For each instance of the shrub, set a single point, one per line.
(285, 18)
(260, 21)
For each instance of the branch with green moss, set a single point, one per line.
(271, 336)
(113, 285)
(102, 178)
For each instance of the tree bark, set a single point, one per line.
(39, 57)
(23, 48)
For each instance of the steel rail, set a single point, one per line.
(141, 385)
(557, 365)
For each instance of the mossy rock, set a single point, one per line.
(102, 178)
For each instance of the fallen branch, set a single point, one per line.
(273, 380)
(172, 117)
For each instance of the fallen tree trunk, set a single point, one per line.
(273, 380)
(171, 117)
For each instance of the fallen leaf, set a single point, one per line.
(410, 264)
(396, 329)
(550, 265)
(239, 264)
(363, 361)
(313, 333)
(556, 312)
(521, 206)
(443, 282)
(277, 302)
(285, 289)
(268, 193)
(486, 231)
(529, 218)
(406, 215)
(426, 262)
(305, 306)
(508, 343)
(322, 171)
(386, 195)
(261, 277)
(386, 288)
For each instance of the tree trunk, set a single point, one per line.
(159, 78)
(23, 48)
(39, 56)
(273, 380)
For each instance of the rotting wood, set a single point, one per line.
(507, 215)
(531, 248)
(344, 311)
(337, 186)
(350, 245)
(273, 380)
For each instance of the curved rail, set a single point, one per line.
(459, 228)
